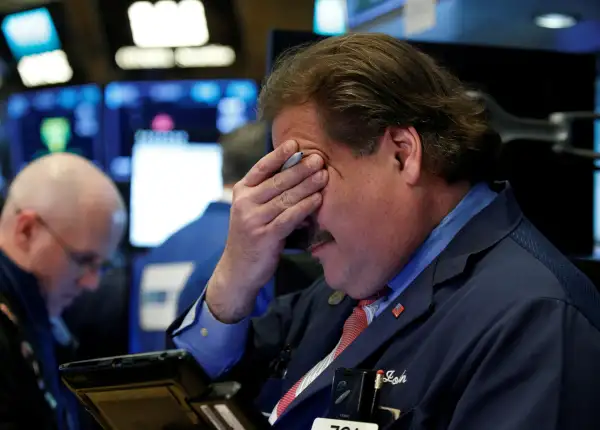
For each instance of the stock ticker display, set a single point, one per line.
(55, 120)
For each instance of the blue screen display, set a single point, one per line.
(330, 18)
(597, 176)
(52, 120)
(30, 32)
(362, 11)
(203, 109)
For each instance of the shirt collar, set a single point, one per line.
(478, 197)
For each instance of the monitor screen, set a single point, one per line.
(54, 120)
(597, 176)
(202, 108)
(172, 182)
(162, 138)
(30, 32)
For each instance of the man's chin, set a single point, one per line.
(345, 284)
(335, 278)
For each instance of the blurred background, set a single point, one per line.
(145, 89)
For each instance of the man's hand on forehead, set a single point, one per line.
(268, 205)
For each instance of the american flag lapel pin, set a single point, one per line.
(398, 309)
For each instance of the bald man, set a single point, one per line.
(62, 220)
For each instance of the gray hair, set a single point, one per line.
(242, 148)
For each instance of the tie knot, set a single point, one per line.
(370, 300)
(366, 302)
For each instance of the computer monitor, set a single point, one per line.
(162, 137)
(66, 119)
(172, 183)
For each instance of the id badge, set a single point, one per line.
(329, 424)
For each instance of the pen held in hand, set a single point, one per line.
(292, 161)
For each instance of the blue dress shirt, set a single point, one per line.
(219, 346)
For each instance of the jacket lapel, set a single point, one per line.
(416, 299)
(328, 330)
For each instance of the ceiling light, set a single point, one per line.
(555, 20)
(168, 24)
(45, 69)
(205, 56)
(132, 57)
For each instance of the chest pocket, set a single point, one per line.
(397, 401)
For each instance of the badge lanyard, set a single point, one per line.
(29, 355)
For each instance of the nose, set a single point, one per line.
(90, 280)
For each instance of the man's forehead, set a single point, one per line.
(299, 123)
(100, 225)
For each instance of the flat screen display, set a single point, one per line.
(54, 120)
(204, 109)
(597, 176)
(161, 137)
(173, 181)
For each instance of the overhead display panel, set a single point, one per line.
(30, 32)
(330, 17)
(37, 49)
(166, 34)
(55, 120)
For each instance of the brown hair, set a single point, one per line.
(364, 83)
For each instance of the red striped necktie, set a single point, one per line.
(354, 325)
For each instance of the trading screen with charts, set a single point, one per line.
(55, 120)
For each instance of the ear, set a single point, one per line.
(26, 227)
(408, 151)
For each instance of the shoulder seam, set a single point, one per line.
(532, 255)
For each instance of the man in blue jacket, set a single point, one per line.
(431, 274)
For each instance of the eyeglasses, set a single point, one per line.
(86, 260)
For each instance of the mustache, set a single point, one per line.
(319, 237)
(308, 235)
